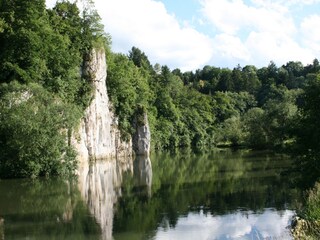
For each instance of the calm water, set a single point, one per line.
(221, 195)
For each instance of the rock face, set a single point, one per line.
(98, 136)
(142, 136)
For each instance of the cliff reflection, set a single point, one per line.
(100, 187)
(143, 175)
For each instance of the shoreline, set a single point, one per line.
(304, 229)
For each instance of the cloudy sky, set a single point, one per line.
(189, 34)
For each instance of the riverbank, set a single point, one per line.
(305, 230)
(307, 224)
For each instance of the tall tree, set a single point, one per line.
(140, 59)
(308, 134)
(22, 48)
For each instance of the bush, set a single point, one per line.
(312, 207)
(34, 132)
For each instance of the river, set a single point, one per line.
(219, 195)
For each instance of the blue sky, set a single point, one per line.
(189, 34)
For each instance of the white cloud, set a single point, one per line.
(50, 3)
(280, 49)
(286, 3)
(231, 47)
(259, 32)
(242, 31)
(232, 16)
(147, 25)
(310, 30)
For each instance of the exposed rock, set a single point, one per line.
(142, 135)
(98, 136)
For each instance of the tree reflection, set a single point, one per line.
(99, 184)
(44, 209)
(214, 183)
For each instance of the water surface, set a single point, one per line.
(221, 195)
(218, 195)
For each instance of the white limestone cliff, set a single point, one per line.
(98, 136)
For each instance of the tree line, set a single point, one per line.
(43, 91)
(259, 108)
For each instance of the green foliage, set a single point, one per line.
(34, 132)
(311, 209)
(92, 31)
(45, 47)
(22, 46)
(280, 116)
(140, 59)
(2, 25)
(127, 88)
(243, 106)
(178, 116)
(231, 131)
(228, 104)
(255, 128)
(307, 148)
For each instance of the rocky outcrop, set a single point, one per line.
(98, 136)
(142, 136)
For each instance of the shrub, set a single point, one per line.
(33, 132)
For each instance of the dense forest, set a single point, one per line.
(261, 108)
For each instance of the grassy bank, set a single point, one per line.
(307, 224)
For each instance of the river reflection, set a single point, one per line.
(218, 195)
(44, 209)
(100, 187)
(270, 224)
(143, 175)
(221, 195)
